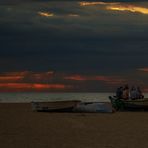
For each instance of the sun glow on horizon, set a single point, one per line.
(53, 81)
(31, 87)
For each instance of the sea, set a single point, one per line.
(27, 97)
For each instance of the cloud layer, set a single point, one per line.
(87, 42)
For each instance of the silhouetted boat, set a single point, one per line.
(129, 105)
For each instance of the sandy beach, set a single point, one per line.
(20, 127)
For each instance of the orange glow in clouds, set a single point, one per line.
(10, 78)
(28, 81)
(76, 78)
(94, 3)
(143, 69)
(107, 79)
(30, 87)
(26, 75)
(45, 81)
(130, 8)
(73, 15)
(45, 14)
(118, 6)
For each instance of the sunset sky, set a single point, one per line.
(73, 46)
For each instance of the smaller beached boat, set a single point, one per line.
(54, 106)
(72, 106)
(129, 105)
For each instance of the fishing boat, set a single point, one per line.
(129, 105)
(72, 106)
(54, 106)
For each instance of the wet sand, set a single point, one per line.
(20, 127)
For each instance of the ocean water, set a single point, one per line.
(28, 97)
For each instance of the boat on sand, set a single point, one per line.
(129, 105)
(54, 106)
(72, 106)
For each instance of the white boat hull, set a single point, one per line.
(94, 107)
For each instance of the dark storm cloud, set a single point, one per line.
(2, 1)
(98, 39)
(14, 2)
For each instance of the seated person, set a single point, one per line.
(119, 92)
(125, 95)
(133, 93)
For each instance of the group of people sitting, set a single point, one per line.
(127, 94)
